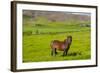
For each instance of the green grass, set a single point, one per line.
(36, 47)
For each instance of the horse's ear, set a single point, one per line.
(69, 36)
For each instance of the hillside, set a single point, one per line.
(58, 16)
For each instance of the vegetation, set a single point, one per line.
(38, 34)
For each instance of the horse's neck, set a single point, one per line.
(66, 42)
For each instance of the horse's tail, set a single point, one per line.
(51, 44)
(53, 50)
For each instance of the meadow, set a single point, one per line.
(37, 36)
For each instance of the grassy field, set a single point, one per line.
(38, 35)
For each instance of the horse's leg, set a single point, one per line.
(67, 50)
(53, 52)
(64, 53)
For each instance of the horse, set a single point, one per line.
(61, 46)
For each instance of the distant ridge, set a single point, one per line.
(58, 16)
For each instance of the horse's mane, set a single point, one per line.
(65, 40)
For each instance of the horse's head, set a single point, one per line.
(68, 40)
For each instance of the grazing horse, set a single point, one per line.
(61, 46)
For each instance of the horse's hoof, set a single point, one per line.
(56, 53)
(63, 55)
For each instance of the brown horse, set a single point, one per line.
(61, 46)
